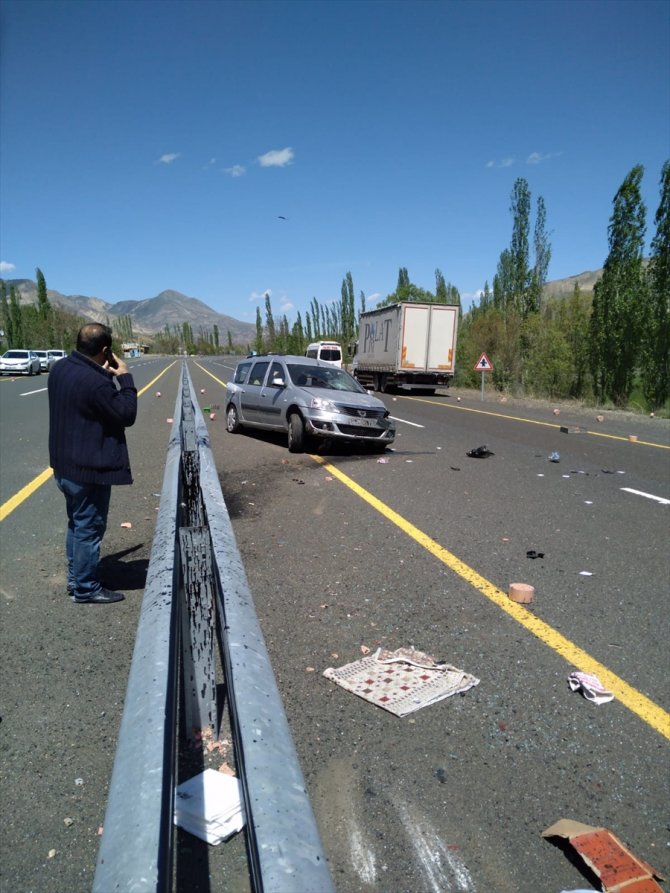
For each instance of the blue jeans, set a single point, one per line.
(87, 509)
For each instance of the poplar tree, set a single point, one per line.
(656, 347)
(619, 296)
(43, 306)
(542, 248)
(15, 321)
(519, 272)
(270, 322)
(258, 344)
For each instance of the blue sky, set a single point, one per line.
(150, 145)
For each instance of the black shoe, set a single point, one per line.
(101, 597)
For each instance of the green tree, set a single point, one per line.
(258, 343)
(656, 344)
(270, 322)
(503, 283)
(520, 209)
(43, 306)
(573, 316)
(215, 335)
(619, 296)
(538, 276)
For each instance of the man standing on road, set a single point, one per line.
(88, 416)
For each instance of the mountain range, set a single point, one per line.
(150, 316)
(172, 308)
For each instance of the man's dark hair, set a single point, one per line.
(93, 338)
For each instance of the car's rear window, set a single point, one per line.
(331, 354)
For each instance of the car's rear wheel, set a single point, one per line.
(232, 420)
(296, 433)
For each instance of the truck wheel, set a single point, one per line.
(296, 433)
(232, 420)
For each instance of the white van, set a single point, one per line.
(327, 351)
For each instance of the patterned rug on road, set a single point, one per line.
(401, 681)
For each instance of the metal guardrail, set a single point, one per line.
(193, 529)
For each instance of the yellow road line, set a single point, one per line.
(15, 501)
(642, 706)
(514, 418)
(23, 494)
(211, 374)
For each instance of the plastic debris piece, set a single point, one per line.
(79, 781)
(590, 686)
(554, 457)
(600, 418)
(169, 421)
(611, 861)
(632, 438)
(557, 412)
(585, 574)
(522, 593)
(382, 461)
(158, 393)
(480, 452)
(212, 416)
(126, 524)
(209, 806)
(202, 390)
(68, 822)
(365, 649)
(309, 669)
(533, 554)
(454, 468)
(51, 854)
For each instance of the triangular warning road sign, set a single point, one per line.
(483, 364)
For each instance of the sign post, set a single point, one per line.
(482, 365)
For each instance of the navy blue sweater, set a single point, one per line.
(88, 416)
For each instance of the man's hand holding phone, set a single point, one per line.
(113, 364)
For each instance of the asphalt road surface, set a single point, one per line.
(343, 554)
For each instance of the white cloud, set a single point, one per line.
(539, 157)
(169, 157)
(6, 267)
(236, 170)
(504, 162)
(276, 158)
(260, 295)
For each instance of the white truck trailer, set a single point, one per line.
(407, 346)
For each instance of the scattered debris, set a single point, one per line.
(401, 681)
(209, 806)
(632, 438)
(309, 670)
(554, 457)
(612, 862)
(68, 822)
(126, 524)
(572, 429)
(202, 390)
(365, 649)
(557, 412)
(531, 553)
(600, 418)
(522, 593)
(585, 574)
(158, 393)
(212, 416)
(169, 421)
(100, 830)
(590, 686)
(454, 468)
(441, 776)
(51, 854)
(383, 460)
(480, 452)
(79, 782)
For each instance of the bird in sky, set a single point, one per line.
(281, 218)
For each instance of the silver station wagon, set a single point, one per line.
(308, 399)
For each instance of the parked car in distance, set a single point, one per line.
(46, 360)
(57, 354)
(19, 362)
(309, 400)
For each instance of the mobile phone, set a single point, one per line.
(111, 360)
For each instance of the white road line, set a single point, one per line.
(405, 422)
(647, 495)
(28, 393)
